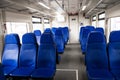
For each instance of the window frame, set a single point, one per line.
(99, 16)
(37, 22)
(46, 22)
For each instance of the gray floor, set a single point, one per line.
(72, 61)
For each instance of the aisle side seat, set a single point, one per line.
(38, 35)
(96, 58)
(10, 53)
(46, 60)
(114, 53)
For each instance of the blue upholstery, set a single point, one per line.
(80, 34)
(65, 34)
(37, 34)
(84, 39)
(46, 60)
(91, 28)
(96, 58)
(59, 40)
(2, 77)
(100, 29)
(10, 53)
(114, 53)
(54, 30)
(67, 30)
(27, 57)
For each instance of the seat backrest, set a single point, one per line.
(54, 30)
(96, 53)
(99, 29)
(28, 51)
(80, 33)
(11, 50)
(46, 52)
(85, 35)
(114, 50)
(2, 77)
(38, 35)
(92, 28)
(67, 30)
(65, 34)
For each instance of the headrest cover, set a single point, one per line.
(85, 32)
(46, 38)
(96, 37)
(99, 29)
(90, 27)
(59, 32)
(37, 32)
(48, 30)
(12, 39)
(29, 38)
(114, 36)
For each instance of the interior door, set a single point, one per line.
(74, 29)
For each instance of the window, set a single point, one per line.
(16, 27)
(101, 16)
(37, 23)
(101, 20)
(36, 20)
(94, 21)
(46, 21)
(115, 23)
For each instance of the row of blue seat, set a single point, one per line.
(102, 61)
(83, 35)
(60, 35)
(29, 59)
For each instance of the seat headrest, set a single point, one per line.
(46, 38)
(114, 36)
(47, 30)
(12, 39)
(37, 32)
(85, 32)
(96, 37)
(29, 38)
(99, 29)
(90, 27)
(58, 32)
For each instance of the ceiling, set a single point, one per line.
(60, 6)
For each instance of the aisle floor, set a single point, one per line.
(72, 66)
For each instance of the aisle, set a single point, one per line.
(72, 65)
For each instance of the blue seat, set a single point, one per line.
(54, 30)
(67, 30)
(59, 40)
(27, 57)
(46, 60)
(114, 53)
(80, 34)
(2, 77)
(92, 28)
(10, 53)
(96, 58)
(38, 35)
(65, 34)
(84, 39)
(100, 30)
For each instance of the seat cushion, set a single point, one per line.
(22, 71)
(43, 73)
(8, 69)
(100, 74)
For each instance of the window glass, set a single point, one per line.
(101, 23)
(16, 27)
(36, 20)
(94, 23)
(101, 15)
(115, 23)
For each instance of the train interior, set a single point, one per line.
(59, 40)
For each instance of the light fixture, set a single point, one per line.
(42, 4)
(83, 8)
